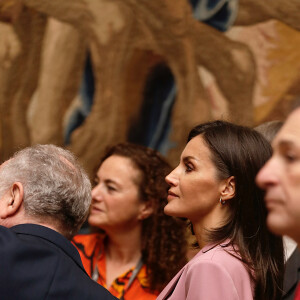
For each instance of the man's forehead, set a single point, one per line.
(290, 131)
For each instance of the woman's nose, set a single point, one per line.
(97, 193)
(172, 178)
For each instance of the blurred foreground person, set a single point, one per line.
(214, 187)
(291, 251)
(44, 199)
(269, 129)
(140, 248)
(280, 178)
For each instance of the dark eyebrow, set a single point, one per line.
(188, 158)
(107, 181)
(284, 143)
(111, 181)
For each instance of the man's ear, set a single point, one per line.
(146, 210)
(228, 189)
(12, 200)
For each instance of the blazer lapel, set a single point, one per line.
(292, 272)
(167, 291)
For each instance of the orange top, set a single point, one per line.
(91, 250)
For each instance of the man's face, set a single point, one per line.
(280, 178)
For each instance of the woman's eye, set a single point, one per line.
(188, 168)
(111, 188)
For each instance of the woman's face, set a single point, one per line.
(195, 189)
(115, 198)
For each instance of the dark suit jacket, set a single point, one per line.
(292, 275)
(39, 263)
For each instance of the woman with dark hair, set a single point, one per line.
(140, 249)
(214, 187)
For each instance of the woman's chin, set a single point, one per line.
(170, 211)
(94, 222)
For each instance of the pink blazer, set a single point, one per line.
(213, 274)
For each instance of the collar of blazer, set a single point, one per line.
(51, 236)
(212, 246)
(292, 272)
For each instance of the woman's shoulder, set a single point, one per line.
(222, 256)
(220, 264)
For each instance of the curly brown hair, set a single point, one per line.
(164, 243)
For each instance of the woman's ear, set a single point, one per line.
(228, 191)
(146, 210)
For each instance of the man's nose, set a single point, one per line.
(267, 174)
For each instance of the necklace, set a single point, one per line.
(135, 272)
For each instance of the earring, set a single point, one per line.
(222, 201)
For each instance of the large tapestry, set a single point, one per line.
(88, 73)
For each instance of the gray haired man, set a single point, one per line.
(44, 199)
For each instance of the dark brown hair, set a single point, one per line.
(164, 242)
(240, 152)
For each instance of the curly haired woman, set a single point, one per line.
(139, 248)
